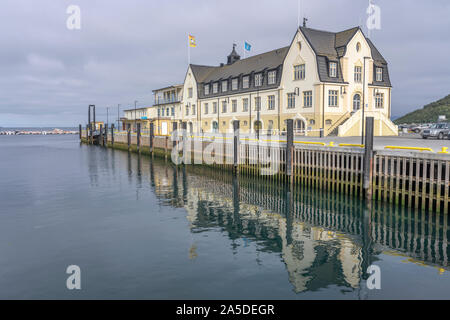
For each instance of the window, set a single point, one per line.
(206, 89)
(245, 82)
(258, 79)
(299, 72)
(206, 108)
(271, 102)
(272, 77)
(224, 123)
(328, 122)
(215, 87)
(358, 47)
(233, 105)
(333, 69)
(187, 110)
(332, 98)
(245, 122)
(167, 112)
(234, 84)
(358, 74)
(193, 109)
(307, 99)
(159, 113)
(214, 107)
(379, 74)
(291, 100)
(356, 102)
(190, 92)
(224, 106)
(224, 86)
(312, 122)
(379, 100)
(257, 103)
(173, 111)
(245, 105)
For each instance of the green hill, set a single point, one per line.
(428, 113)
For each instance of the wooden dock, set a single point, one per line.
(405, 178)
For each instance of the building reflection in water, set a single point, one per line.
(323, 238)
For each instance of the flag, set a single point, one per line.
(192, 42)
(247, 46)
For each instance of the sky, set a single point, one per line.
(124, 49)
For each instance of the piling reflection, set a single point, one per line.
(323, 238)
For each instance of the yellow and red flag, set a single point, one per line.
(192, 42)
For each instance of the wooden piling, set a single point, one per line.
(289, 148)
(138, 137)
(368, 159)
(152, 135)
(235, 146)
(129, 136)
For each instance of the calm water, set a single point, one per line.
(143, 229)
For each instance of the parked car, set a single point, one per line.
(437, 130)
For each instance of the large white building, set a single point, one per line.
(321, 80)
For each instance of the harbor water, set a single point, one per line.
(142, 228)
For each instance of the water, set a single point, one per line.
(142, 229)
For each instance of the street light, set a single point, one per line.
(364, 100)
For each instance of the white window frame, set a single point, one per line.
(272, 77)
(307, 99)
(357, 74)
(246, 82)
(291, 100)
(258, 80)
(206, 89)
(333, 98)
(224, 85)
(379, 74)
(333, 69)
(205, 107)
(379, 100)
(234, 84)
(299, 72)
(234, 105)
(271, 102)
(257, 103)
(245, 105)
(215, 87)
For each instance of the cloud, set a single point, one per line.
(125, 49)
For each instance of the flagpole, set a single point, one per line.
(245, 56)
(189, 51)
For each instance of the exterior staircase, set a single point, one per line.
(352, 126)
(333, 130)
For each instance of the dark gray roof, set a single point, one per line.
(272, 60)
(330, 46)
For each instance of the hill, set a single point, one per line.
(428, 113)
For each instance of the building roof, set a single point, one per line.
(169, 87)
(330, 46)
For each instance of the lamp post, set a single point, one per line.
(364, 101)
(107, 115)
(135, 119)
(118, 116)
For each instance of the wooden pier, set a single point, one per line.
(406, 178)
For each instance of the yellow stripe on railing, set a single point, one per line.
(351, 145)
(311, 142)
(408, 148)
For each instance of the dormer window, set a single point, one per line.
(215, 87)
(272, 77)
(234, 84)
(333, 69)
(258, 79)
(245, 82)
(206, 89)
(379, 74)
(224, 86)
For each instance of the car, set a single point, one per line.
(437, 130)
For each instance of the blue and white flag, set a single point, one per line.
(247, 46)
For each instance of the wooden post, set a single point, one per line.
(289, 148)
(100, 140)
(105, 142)
(368, 158)
(235, 146)
(79, 130)
(87, 133)
(184, 131)
(152, 134)
(90, 133)
(112, 134)
(129, 136)
(138, 137)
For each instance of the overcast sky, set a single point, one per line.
(124, 49)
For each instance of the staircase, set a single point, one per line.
(333, 130)
(352, 126)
